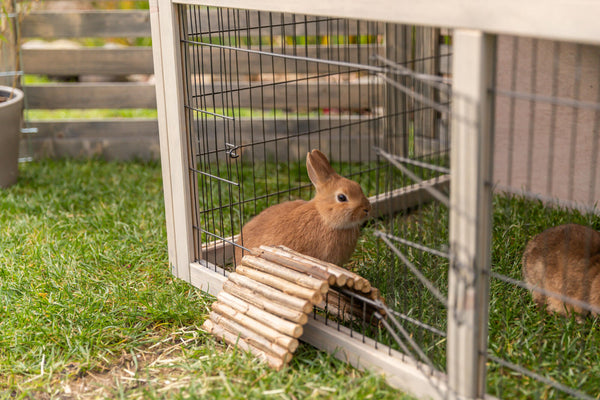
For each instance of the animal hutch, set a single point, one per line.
(471, 126)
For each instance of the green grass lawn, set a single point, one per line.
(89, 309)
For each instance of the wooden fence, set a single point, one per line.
(111, 138)
(127, 138)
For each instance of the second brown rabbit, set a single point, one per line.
(566, 260)
(326, 227)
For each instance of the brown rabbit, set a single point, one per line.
(326, 227)
(564, 259)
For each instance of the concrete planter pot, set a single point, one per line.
(10, 125)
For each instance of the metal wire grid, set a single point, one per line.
(547, 133)
(230, 59)
(253, 97)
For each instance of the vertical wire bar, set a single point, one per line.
(298, 176)
(262, 99)
(252, 136)
(275, 124)
(511, 112)
(287, 108)
(234, 86)
(239, 168)
(532, 108)
(553, 115)
(192, 99)
(595, 141)
(470, 215)
(574, 122)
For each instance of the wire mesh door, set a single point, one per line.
(547, 175)
(265, 88)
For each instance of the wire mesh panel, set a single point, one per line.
(265, 88)
(547, 175)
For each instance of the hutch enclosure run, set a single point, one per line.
(470, 127)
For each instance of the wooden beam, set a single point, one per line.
(98, 23)
(574, 20)
(88, 61)
(100, 128)
(470, 213)
(91, 95)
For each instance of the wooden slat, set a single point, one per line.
(91, 95)
(98, 61)
(575, 20)
(291, 138)
(108, 139)
(102, 23)
(104, 128)
(304, 95)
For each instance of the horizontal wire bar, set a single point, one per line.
(266, 27)
(345, 64)
(11, 73)
(539, 289)
(414, 245)
(214, 177)
(439, 82)
(426, 282)
(418, 323)
(433, 191)
(422, 164)
(586, 209)
(209, 113)
(559, 101)
(406, 336)
(270, 84)
(417, 96)
(538, 377)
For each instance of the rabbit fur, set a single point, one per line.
(564, 259)
(326, 227)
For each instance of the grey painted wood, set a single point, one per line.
(104, 128)
(97, 61)
(100, 23)
(300, 96)
(91, 95)
(575, 20)
(470, 213)
(108, 139)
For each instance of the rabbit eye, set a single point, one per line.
(342, 197)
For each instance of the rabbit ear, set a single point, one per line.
(318, 168)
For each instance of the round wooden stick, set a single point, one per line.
(354, 280)
(341, 275)
(285, 286)
(251, 337)
(289, 328)
(273, 335)
(265, 303)
(288, 274)
(234, 340)
(296, 264)
(275, 295)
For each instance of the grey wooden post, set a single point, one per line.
(470, 215)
